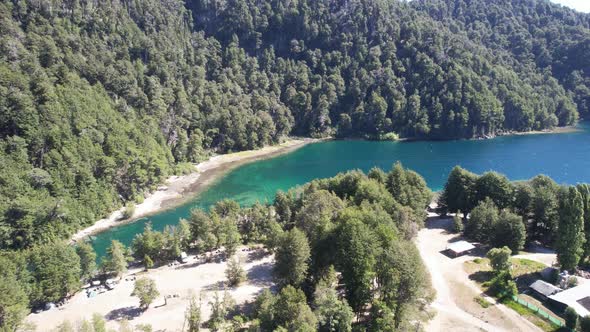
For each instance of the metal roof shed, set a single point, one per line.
(460, 248)
(578, 298)
(544, 289)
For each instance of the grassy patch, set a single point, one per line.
(482, 302)
(531, 315)
(477, 265)
(519, 308)
(520, 266)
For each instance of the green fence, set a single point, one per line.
(540, 312)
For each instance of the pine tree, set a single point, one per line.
(192, 315)
(234, 272)
(116, 258)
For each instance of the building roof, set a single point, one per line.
(544, 288)
(576, 298)
(460, 246)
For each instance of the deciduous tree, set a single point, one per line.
(571, 225)
(145, 289)
(292, 258)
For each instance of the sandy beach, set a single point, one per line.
(177, 189)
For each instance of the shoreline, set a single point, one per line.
(177, 189)
(555, 130)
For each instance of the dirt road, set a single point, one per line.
(457, 309)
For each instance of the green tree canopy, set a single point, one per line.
(500, 259)
(292, 258)
(145, 289)
(571, 226)
(116, 258)
(509, 231)
(496, 187)
(56, 270)
(332, 313)
(482, 221)
(459, 191)
(87, 260)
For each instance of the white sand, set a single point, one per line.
(200, 279)
(177, 188)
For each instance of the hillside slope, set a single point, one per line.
(99, 102)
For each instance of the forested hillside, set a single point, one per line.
(99, 102)
(537, 34)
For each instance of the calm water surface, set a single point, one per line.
(564, 157)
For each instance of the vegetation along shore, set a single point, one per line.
(119, 105)
(177, 189)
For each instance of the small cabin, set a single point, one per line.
(460, 248)
(544, 289)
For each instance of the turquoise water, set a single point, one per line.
(564, 157)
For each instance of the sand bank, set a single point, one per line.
(177, 189)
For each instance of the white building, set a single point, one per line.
(578, 298)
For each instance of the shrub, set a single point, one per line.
(234, 272)
(184, 168)
(572, 282)
(482, 302)
(391, 136)
(145, 289)
(571, 318)
(503, 286)
(129, 211)
(500, 259)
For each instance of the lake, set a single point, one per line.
(565, 157)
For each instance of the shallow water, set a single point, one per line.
(565, 157)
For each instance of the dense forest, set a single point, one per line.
(512, 214)
(535, 34)
(343, 247)
(99, 103)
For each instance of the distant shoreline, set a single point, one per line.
(556, 130)
(178, 189)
